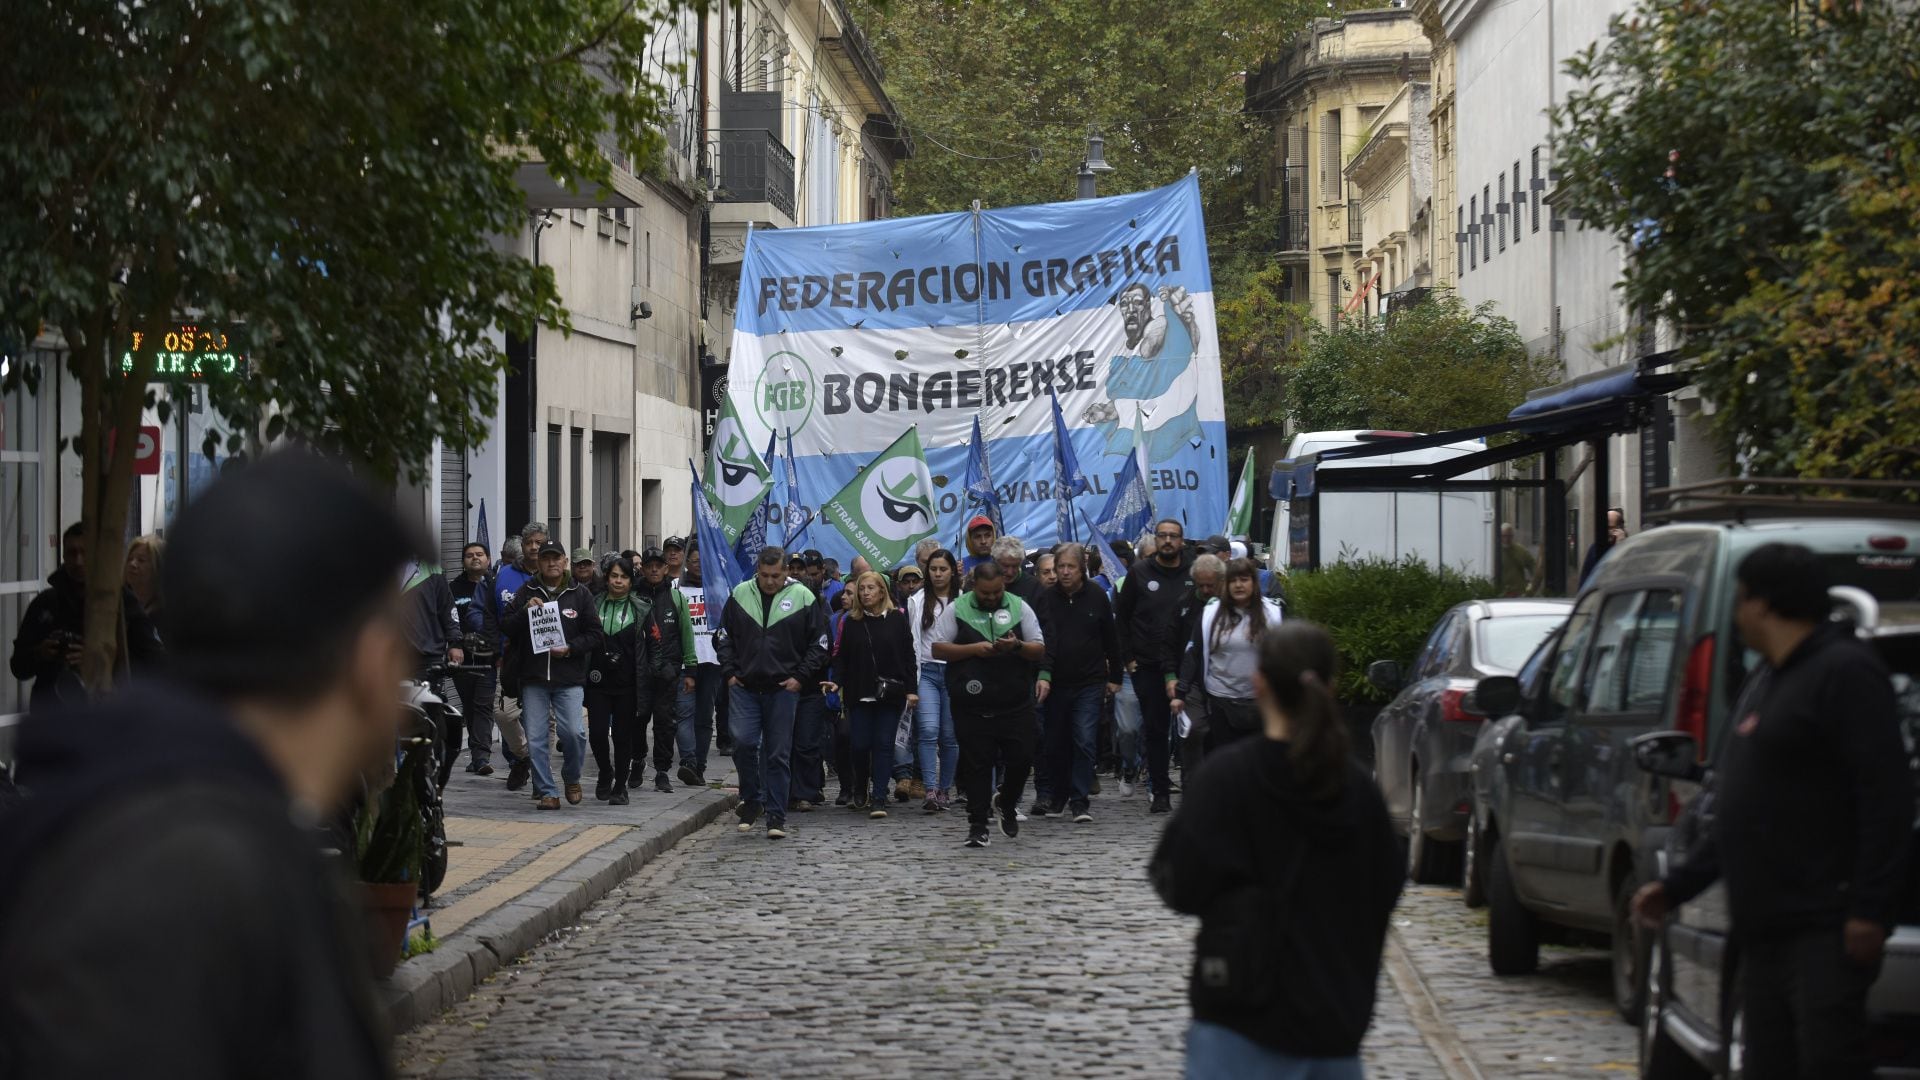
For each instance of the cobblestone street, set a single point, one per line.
(881, 949)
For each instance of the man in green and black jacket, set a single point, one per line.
(772, 641)
(990, 640)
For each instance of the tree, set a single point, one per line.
(1431, 367)
(336, 177)
(1261, 337)
(1757, 158)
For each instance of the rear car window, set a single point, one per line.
(1889, 576)
(1506, 642)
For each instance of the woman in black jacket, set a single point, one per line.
(616, 685)
(877, 678)
(1284, 850)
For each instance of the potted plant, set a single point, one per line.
(390, 841)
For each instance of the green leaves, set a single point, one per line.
(1757, 158)
(1377, 610)
(1431, 367)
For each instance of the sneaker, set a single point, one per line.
(932, 805)
(638, 777)
(977, 836)
(1095, 789)
(859, 803)
(603, 787)
(1010, 825)
(725, 749)
(688, 776)
(776, 829)
(877, 813)
(1161, 805)
(748, 813)
(661, 783)
(573, 794)
(1081, 815)
(803, 806)
(1126, 788)
(483, 769)
(1041, 809)
(518, 774)
(619, 796)
(841, 799)
(946, 800)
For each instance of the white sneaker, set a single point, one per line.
(1126, 788)
(1018, 816)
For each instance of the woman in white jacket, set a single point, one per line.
(1216, 670)
(938, 750)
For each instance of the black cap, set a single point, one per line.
(811, 557)
(674, 542)
(652, 555)
(1218, 543)
(796, 559)
(552, 548)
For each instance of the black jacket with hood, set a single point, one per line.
(164, 909)
(61, 609)
(1146, 608)
(765, 640)
(579, 620)
(1293, 914)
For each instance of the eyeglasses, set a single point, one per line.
(1168, 536)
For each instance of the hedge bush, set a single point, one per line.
(1376, 609)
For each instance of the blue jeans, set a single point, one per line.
(543, 710)
(696, 716)
(762, 723)
(871, 726)
(1219, 1053)
(1073, 725)
(1126, 729)
(933, 730)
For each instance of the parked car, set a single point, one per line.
(1567, 822)
(1423, 738)
(1693, 1025)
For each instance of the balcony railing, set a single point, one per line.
(1293, 229)
(1353, 221)
(753, 167)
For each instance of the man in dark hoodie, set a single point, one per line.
(553, 675)
(668, 628)
(171, 836)
(48, 648)
(1147, 612)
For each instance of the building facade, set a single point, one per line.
(1390, 181)
(1321, 99)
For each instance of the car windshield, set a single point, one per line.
(1505, 643)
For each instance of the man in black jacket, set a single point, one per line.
(165, 908)
(1149, 602)
(1814, 808)
(48, 648)
(772, 641)
(990, 639)
(1081, 670)
(553, 670)
(476, 608)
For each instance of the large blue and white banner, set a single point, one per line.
(847, 334)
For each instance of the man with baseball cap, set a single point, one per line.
(675, 549)
(553, 683)
(980, 537)
(586, 573)
(671, 661)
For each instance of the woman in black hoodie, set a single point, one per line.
(618, 692)
(1284, 851)
(877, 677)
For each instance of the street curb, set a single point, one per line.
(426, 986)
(1445, 1043)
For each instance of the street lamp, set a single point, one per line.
(1093, 166)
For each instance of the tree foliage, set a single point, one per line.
(335, 177)
(1433, 366)
(1758, 159)
(1261, 337)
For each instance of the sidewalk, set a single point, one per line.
(516, 874)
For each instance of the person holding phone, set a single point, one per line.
(990, 641)
(878, 677)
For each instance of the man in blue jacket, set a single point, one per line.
(772, 642)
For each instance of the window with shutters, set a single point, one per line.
(576, 467)
(1473, 232)
(1330, 157)
(1333, 298)
(1536, 189)
(1460, 240)
(1519, 202)
(1500, 210)
(1486, 222)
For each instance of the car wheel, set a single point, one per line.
(1429, 861)
(1513, 933)
(1629, 954)
(1473, 871)
(1661, 1058)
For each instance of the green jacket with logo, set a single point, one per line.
(765, 640)
(990, 684)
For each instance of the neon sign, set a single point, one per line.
(187, 352)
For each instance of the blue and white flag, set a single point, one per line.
(979, 484)
(719, 572)
(1110, 562)
(798, 516)
(753, 533)
(1068, 480)
(480, 533)
(1129, 510)
(846, 335)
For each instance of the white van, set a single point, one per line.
(1454, 529)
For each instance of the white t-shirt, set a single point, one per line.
(697, 615)
(923, 639)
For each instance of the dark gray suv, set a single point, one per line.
(1567, 823)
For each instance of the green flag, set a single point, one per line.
(1240, 514)
(888, 506)
(736, 476)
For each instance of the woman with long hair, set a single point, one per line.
(616, 683)
(143, 572)
(1284, 851)
(1217, 668)
(938, 749)
(876, 677)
